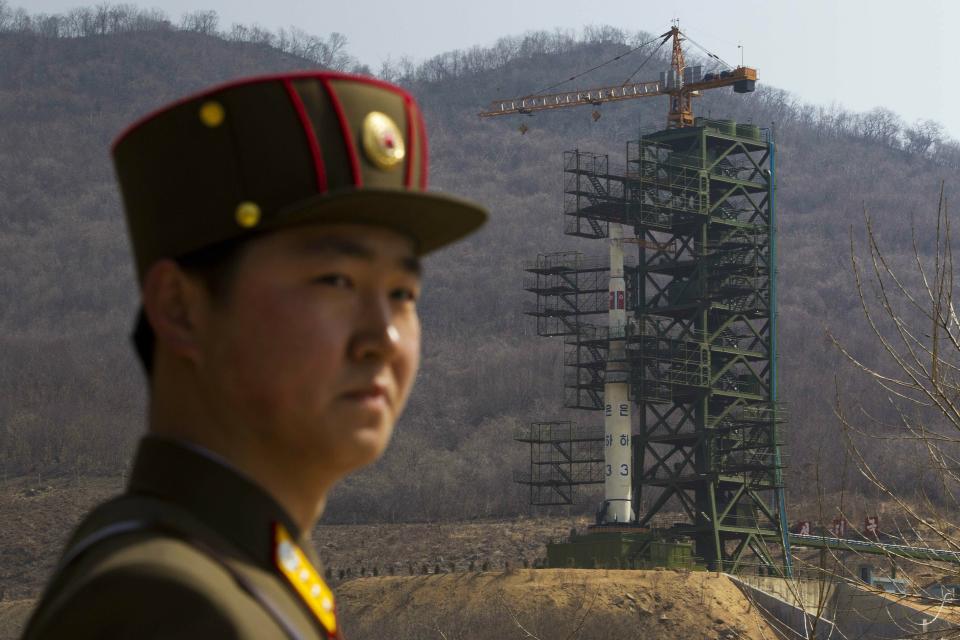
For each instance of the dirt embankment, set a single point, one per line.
(36, 517)
(553, 604)
(531, 604)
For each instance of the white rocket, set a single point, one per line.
(618, 487)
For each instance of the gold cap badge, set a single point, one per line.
(212, 113)
(382, 140)
(247, 214)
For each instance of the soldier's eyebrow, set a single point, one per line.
(412, 265)
(353, 249)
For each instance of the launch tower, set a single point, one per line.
(691, 352)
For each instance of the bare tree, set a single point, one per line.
(880, 124)
(913, 320)
(918, 330)
(200, 22)
(6, 15)
(923, 135)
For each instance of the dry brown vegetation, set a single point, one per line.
(35, 521)
(430, 547)
(36, 518)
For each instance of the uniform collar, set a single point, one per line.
(212, 491)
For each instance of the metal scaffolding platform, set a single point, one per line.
(563, 456)
(700, 339)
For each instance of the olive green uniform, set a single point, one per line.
(189, 551)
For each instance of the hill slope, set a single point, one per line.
(72, 398)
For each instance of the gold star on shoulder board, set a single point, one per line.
(294, 565)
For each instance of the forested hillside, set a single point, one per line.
(71, 394)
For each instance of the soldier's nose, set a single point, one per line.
(376, 336)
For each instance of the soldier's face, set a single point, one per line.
(317, 346)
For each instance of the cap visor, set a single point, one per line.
(432, 220)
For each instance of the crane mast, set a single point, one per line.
(681, 109)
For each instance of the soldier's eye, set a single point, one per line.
(334, 280)
(404, 294)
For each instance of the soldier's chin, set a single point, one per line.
(367, 443)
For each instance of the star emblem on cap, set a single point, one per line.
(382, 141)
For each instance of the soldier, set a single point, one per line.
(276, 224)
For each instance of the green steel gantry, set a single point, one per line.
(701, 343)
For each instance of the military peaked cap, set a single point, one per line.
(263, 153)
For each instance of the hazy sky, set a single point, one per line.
(856, 53)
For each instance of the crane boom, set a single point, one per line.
(742, 79)
(596, 96)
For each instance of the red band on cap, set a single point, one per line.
(345, 130)
(311, 135)
(408, 109)
(424, 155)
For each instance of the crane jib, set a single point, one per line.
(573, 98)
(600, 95)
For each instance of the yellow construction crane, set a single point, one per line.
(680, 83)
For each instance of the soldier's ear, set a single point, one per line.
(175, 306)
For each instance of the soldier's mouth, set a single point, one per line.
(374, 396)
